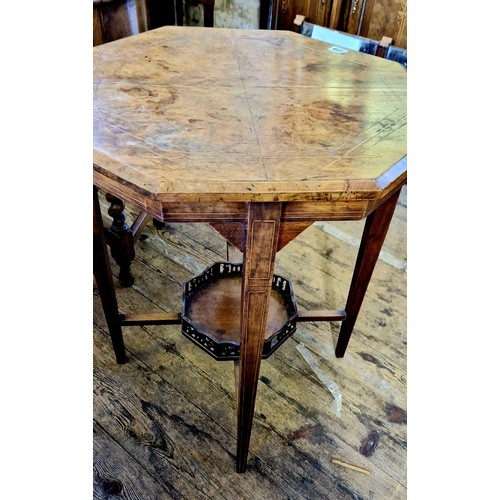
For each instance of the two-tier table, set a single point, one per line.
(259, 133)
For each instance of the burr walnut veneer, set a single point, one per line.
(258, 133)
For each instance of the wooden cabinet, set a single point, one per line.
(316, 11)
(115, 19)
(369, 18)
(385, 18)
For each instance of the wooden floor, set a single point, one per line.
(164, 423)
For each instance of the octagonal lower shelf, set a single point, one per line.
(211, 308)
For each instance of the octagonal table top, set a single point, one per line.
(208, 114)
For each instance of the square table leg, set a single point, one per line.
(263, 222)
(104, 280)
(376, 226)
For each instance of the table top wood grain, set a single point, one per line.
(190, 115)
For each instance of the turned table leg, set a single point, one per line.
(105, 285)
(120, 239)
(263, 221)
(376, 226)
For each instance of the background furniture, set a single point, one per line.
(116, 19)
(368, 18)
(382, 48)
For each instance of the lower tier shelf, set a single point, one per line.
(211, 311)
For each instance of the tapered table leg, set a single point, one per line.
(105, 285)
(263, 221)
(376, 226)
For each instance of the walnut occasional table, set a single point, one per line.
(260, 134)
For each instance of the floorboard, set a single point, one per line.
(165, 422)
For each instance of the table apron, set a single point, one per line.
(299, 211)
